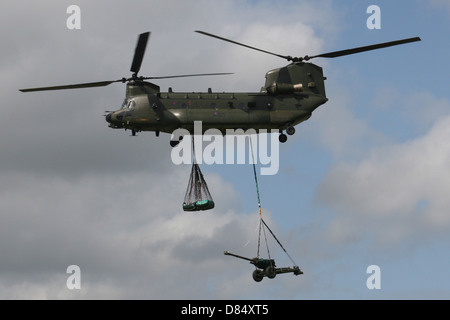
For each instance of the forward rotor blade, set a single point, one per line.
(72, 86)
(289, 58)
(362, 49)
(187, 75)
(139, 52)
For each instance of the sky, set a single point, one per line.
(363, 182)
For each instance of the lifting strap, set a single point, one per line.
(262, 223)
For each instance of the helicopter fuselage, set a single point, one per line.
(288, 98)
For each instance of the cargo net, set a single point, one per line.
(197, 196)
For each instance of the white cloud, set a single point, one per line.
(399, 192)
(76, 192)
(123, 233)
(336, 126)
(416, 112)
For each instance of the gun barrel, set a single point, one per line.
(227, 253)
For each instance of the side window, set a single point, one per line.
(131, 104)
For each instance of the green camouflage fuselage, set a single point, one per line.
(289, 97)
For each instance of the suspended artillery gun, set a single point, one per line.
(266, 267)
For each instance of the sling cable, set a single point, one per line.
(265, 267)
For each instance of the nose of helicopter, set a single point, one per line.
(108, 117)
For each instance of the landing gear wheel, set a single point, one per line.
(282, 138)
(258, 275)
(270, 272)
(174, 143)
(290, 130)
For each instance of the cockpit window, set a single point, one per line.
(131, 104)
(128, 104)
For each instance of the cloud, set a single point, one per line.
(129, 238)
(74, 191)
(337, 127)
(417, 112)
(397, 193)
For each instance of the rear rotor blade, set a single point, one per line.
(289, 58)
(362, 49)
(324, 55)
(187, 75)
(139, 52)
(72, 86)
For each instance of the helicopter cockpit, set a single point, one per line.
(128, 103)
(116, 118)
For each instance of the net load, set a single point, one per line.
(197, 196)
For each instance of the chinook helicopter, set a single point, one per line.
(289, 96)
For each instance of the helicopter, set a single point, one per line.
(289, 96)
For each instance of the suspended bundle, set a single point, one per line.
(197, 196)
